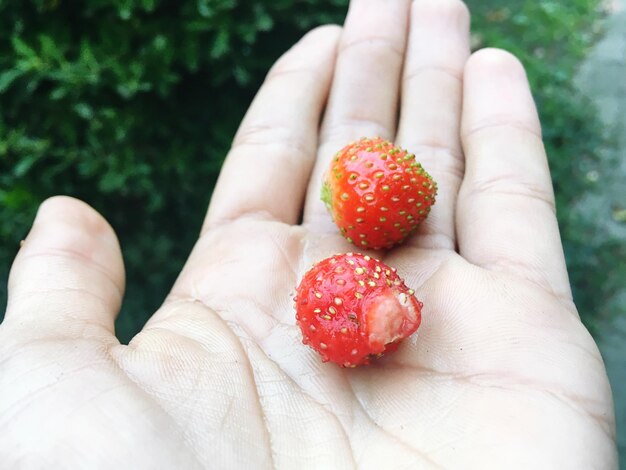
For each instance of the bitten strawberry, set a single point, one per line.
(377, 193)
(352, 308)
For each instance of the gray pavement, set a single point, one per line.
(602, 77)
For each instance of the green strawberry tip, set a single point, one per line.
(326, 195)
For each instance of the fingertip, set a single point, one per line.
(496, 93)
(496, 62)
(69, 210)
(318, 39)
(64, 223)
(452, 11)
(324, 32)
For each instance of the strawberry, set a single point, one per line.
(352, 308)
(377, 193)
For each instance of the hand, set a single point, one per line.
(501, 375)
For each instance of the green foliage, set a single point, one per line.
(131, 105)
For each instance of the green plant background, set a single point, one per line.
(131, 105)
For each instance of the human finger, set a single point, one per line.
(268, 166)
(364, 96)
(430, 115)
(68, 277)
(506, 218)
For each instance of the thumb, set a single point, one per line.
(68, 277)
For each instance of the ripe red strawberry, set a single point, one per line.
(377, 193)
(351, 308)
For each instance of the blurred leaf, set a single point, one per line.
(132, 104)
(8, 77)
(23, 49)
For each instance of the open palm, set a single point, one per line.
(502, 374)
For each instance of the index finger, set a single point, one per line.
(268, 166)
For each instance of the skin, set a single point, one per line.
(501, 375)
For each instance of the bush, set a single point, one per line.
(131, 105)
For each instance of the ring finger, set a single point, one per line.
(364, 95)
(437, 50)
